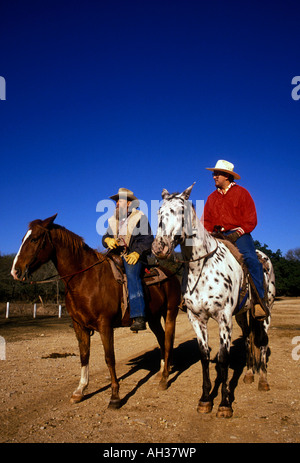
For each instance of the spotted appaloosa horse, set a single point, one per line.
(93, 296)
(210, 287)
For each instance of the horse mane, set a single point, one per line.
(66, 237)
(70, 239)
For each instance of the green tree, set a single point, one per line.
(287, 270)
(12, 290)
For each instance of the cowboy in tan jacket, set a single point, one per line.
(129, 227)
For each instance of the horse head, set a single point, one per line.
(172, 222)
(35, 250)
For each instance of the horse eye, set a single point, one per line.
(34, 240)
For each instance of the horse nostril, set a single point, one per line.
(18, 273)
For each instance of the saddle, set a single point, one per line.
(151, 276)
(248, 289)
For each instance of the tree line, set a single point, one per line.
(287, 273)
(18, 291)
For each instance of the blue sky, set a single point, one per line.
(145, 94)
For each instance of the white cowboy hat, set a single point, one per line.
(225, 166)
(123, 193)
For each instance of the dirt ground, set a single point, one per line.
(36, 385)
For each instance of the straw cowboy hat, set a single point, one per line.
(123, 193)
(225, 166)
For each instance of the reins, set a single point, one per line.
(206, 256)
(58, 278)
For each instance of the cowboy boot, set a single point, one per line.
(138, 324)
(259, 309)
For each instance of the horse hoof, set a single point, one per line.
(248, 378)
(224, 412)
(163, 384)
(75, 399)
(204, 407)
(114, 404)
(263, 386)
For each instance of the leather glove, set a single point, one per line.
(232, 237)
(112, 243)
(132, 258)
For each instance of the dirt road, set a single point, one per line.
(36, 385)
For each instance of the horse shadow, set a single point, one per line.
(185, 355)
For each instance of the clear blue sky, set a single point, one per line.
(145, 94)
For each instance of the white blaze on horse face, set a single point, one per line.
(13, 271)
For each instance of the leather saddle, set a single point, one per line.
(152, 275)
(248, 289)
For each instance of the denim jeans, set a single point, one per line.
(246, 247)
(135, 289)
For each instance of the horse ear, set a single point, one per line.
(165, 194)
(47, 222)
(186, 193)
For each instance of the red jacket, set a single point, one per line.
(234, 210)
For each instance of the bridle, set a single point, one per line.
(55, 278)
(40, 247)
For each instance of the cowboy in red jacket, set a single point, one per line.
(231, 210)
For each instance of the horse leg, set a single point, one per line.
(258, 347)
(263, 384)
(243, 324)
(107, 337)
(225, 330)
(83, 337)
(170, 325)
(200, 327)
(249, 375)
(157, 329)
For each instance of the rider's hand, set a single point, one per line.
(233, 236)
(132, 258)
(112, 243)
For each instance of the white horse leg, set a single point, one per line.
(83, 383)
(83, 337)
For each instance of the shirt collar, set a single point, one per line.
(223, 192)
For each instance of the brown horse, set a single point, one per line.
(93, 296)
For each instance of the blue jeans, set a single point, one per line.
(246, 247)
(135, 289)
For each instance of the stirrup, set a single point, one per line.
(260, 312)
